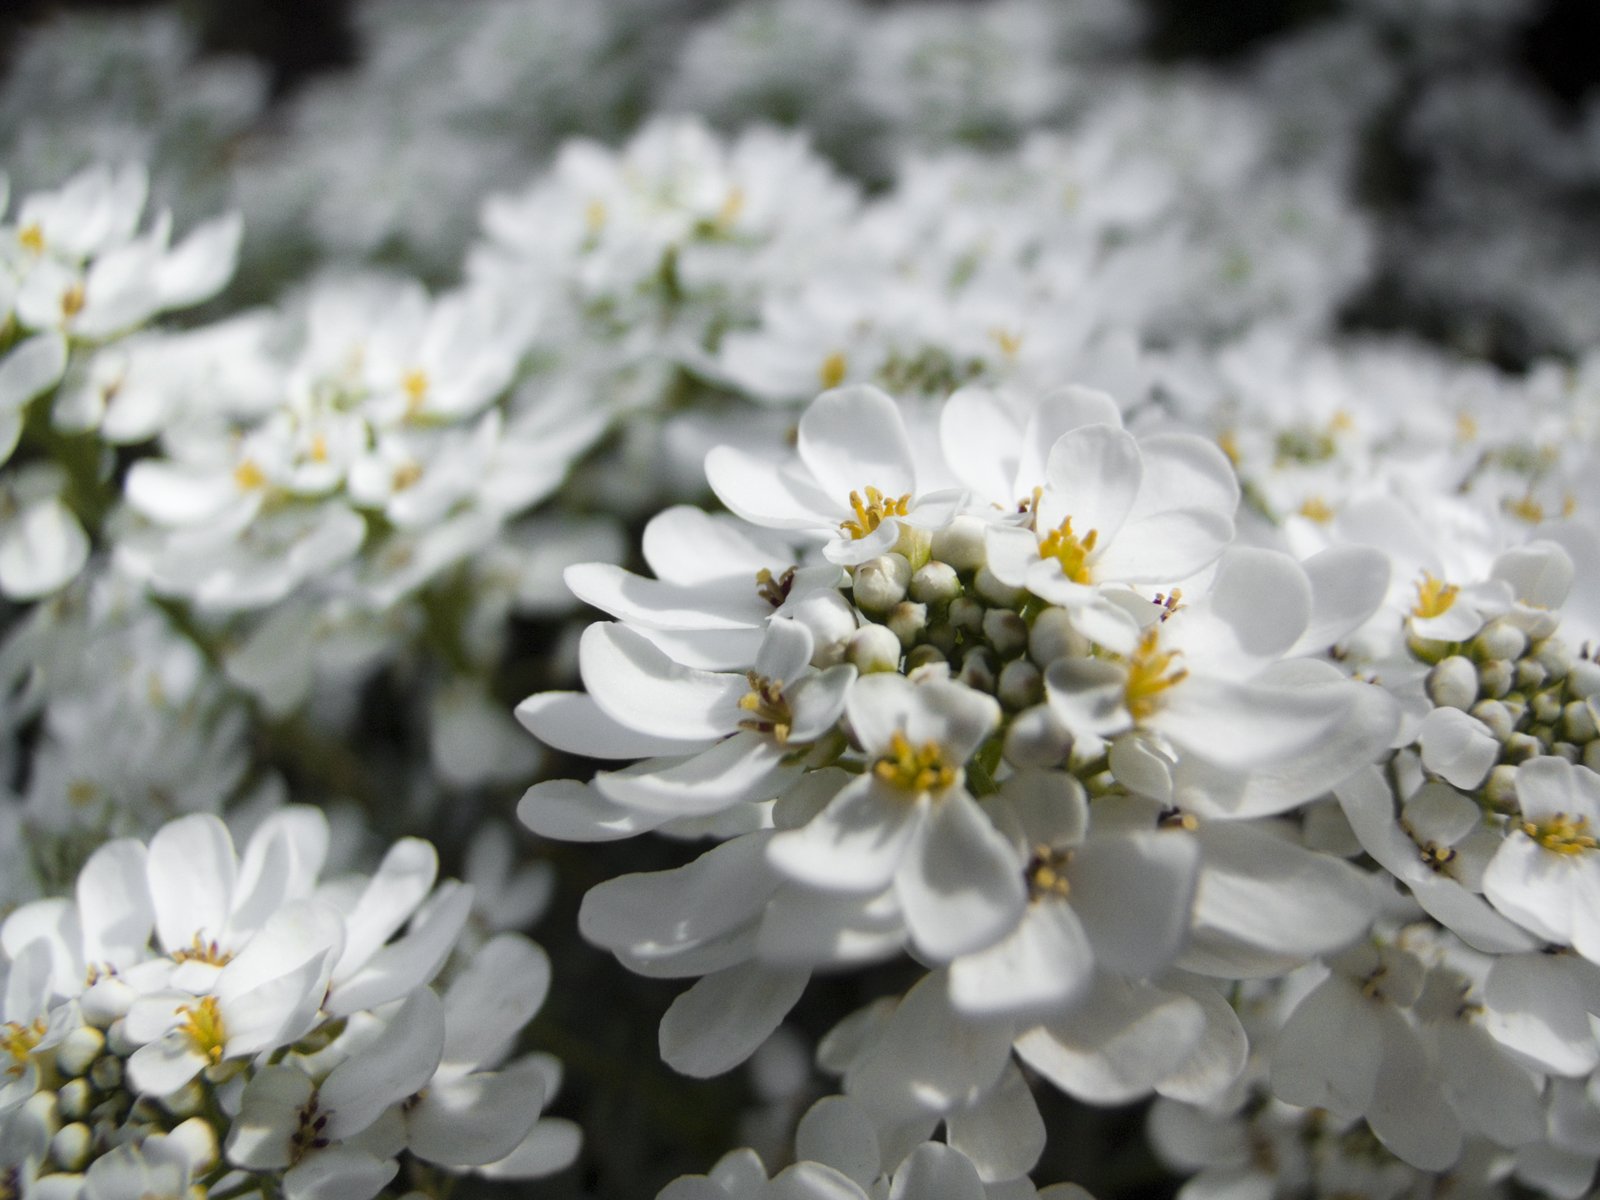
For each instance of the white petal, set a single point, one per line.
(838, 1131)
(569, 811)
(1042, 965)
(1056, 413)
(719, 1022)
(191, 867)
(1094, 474)
(197, 268)
(748, 767)
(1117, 1043)
(935, 1172)
(1133, 893)
(1538, 1006)
(980, 442)
(777, 497)
(31, 367)
(1263, 597)
(574, 723)
(42, 549)
(960, 884)
(396, 1064)
(173, 494)
(551, 1145)
(401, 882)
(852, 438)
(1348, 583)
(489, 1002)
(477, 1118)
(688, 546)
(856, 843)
(1220, 1054)
(811, 1181)
(1331, 1048)
(1409, 1112)
(410, 961)
(641, 687)
(338, 1173)
(114, 906)
(1003, 1134)
(650, 602)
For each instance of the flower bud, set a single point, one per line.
(1546, 708)
(1496, 716)
(1565, 750)
(935, 583)
(880, 583)
(69, 1149)
(1500, 639)
(832, 623)
(79, 1049)
(1020, 684)
(923, 654)
(1530, 674)
(1552, 654)
(1453, 683)
(106, 1073)
(1591, 755)
(1052, 637)
(978, 669)
(960, 543)
(1500, 789)
(907, 620)
(1036, 739)
(1006, 632)
(74, 1097)
(1583, 678)
(1522, 746)
(1495, 677)
(874, 648)
(966, 614)
(995, 592)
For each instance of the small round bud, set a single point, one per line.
(73, 1098)
(880, 583)
(1552, 654)
(1500, 789)
(79, 1049)
(935, 582)
(186, 1101)
(1583, 678)
(1500, 639)
(1545, 707)
(995, 592)
(1036, 739)
(1052, 637)
(1496, 716)
(1495, 677)
(923, 655)
(874, 648)
(43, 1112)
(961, 543)
(943, 635)
(1516, 706)
(1522, 746)
(1530, 674)
(1591, 755)
(1453, 683)
(1006, 632)
(978, 669)
(907, 620)
(1020, 684)
(832, 622)
(1565, 750)
(966, 614)
(106, 1073)
(69, 1149)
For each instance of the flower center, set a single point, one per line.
(202, 1025)
(199, 950)
(1046, 872)
(774, 589)
(73, 300)
(1562, 834)
(768, 708)
(1069, 550)
(247, 476)
(31, 236)
(414, 383)
(1434, 596)
(915, 768)
(18, 1041)
(871, 512)
(833, 369)
(1151, 671)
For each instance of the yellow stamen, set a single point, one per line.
(768, 708)
(1070, 551)
(1008, 342)
(1466, 428)
(774, 589)
(415, 385)
(1315, 508)
(319, 449)
(731, 207)
(1151, 671)
(871, 513)
(833, 369)
(594, 216)
(247, 476)
(1524, 508)
(1228, 443)
(1434, 597)
(406, 475)
(19, 1041)
(203, 951)
(1562, 834)
(1046, 872)
(72, 300)
(202, 1025)
(32, 238)
(81, 793)
(915, 769)
(1341, 422)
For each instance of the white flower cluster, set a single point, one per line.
(1071, 658)
(194, 1020)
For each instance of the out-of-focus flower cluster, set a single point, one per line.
(1066, 657)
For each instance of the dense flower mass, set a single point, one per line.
(1040, 578)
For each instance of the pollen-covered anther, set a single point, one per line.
(202, 950)
(768, 708)
(1169, 603)
(873, 511)
(247, 476)
(1176, 818)
(833, 370)
(1562, 834)
(1071, 551)
(1436, 857)
(774, 589)
(18, 1041)
(31, 238)
(1046, 872)
(1151, 671)
(73, 300)
(915, 768)
(414, 384)
(202, 1025)
(1372, 985)
(1434, 596)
